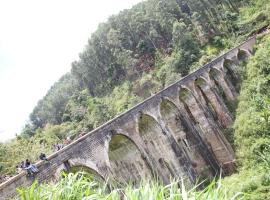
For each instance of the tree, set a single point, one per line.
(186, 46)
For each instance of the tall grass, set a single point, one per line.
(78, 186)
(71, 187)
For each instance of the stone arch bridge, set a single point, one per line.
(177, 133)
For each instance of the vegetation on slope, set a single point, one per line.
(252, 127)
(77, 187)
(139, 51)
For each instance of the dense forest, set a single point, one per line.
(139, 52)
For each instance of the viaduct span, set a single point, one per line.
(176, 133)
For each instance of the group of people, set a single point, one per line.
(57, 147)
(28, 166)
(67, 141)
(32, 168)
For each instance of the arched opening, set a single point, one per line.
(159, 146)
(186, 98)
(171, 116)
(87, 172)
(231, 73)
(216, 76)
(126, 161)
(242, 55)
(183, 134)
(225, 90)
(205, 127)
(206, 93)
(81, 170)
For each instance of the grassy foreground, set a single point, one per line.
(78, 186)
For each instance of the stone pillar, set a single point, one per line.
(211, 133)
(227, 87)
(219, 108)
(130, 129)
(179, 151)
(205, 151)
(192, 130)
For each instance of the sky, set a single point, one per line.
(38, 41)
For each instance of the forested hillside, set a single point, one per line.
(137, 53)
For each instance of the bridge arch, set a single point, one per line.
(204, 90)
(187, 98)
(76, 165)
(213, 102)
(231, 73)
(170, 114)
(223, 87)
(184, 136)
(159, 146)
(216, 76)
(126, 161)
(215, 73)
(242, 54)
(208, 132)
(89, 172)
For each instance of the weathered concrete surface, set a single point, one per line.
(175, 133)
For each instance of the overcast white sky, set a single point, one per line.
(38, 41)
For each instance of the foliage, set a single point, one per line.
(161, 38)
(71, 187)
(251, 134)
(253, 182)
(254, 16)
(76, 186)
(252, 127)
(51, 108)
(12, 153)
